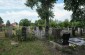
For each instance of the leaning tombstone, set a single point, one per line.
(24, 33)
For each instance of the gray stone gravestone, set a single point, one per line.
(9, 31)
(56, 34)
(50, 31)
(39, 33)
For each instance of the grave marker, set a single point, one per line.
(9, 31)
(24, 33)
(56, 34)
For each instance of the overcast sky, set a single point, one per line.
(15, 10)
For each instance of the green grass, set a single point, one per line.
(36, 47)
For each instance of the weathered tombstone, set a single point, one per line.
(80, 31)
(56, 34)
(83, 31)
(9, 31)
(39, 32)
(50, 31)
(24, 33)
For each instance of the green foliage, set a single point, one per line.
(36, 47)
(19, 34)
(1, 20)
(44, 10)
(65, 23)
(1, 44)
(53, 23)
(77, 24)
(32, 24)
(24, 22)
(8, 23)
(40, 22)
(43, 7)
(74, 6)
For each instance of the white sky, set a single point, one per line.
(16, 10)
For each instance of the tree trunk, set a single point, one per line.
(47, 28)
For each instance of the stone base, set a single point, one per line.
(58, 46)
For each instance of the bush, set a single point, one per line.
(18, 34)
(31, 37)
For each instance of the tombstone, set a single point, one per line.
(83, 29)
(80, 30)
(34, 28)
(24, 33)
(65, 38)
(9, 31)
(29, 29)
(56, 34)
(73, 32)
(39, 32)
(50, 31)
(40, 28)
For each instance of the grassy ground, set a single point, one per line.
(36, 47)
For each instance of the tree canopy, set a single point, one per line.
(1, 20)
(44, 10)
(75, 7)
(24, 22)
(8, 23)
(40, 22)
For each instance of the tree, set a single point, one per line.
(75, 7)
(1, 20)
(66, 23)
(40, 22)
(24, 22)
(16, 23)
(53, 23)
(44, 10)
(8, 23)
